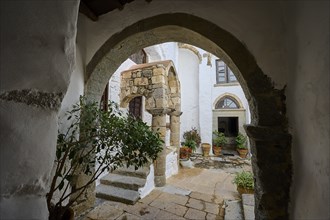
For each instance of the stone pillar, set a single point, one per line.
(175, 129)
(272, 168)
(159, 125)
(30, 98)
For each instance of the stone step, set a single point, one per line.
(125, 182)
(141, 172)
(233, 210)
(248, 206)
(117, 194)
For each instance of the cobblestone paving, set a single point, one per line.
(194, 193)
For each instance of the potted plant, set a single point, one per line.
(245, 182)
(94, 142)
(187, 148)
(242, 149)
(219, 141)
(192, 140)
(192, 135)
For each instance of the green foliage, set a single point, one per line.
(192, 135)
(219, 138)
(241, 141)
(244, 179)
(191, 144)
(98, 141)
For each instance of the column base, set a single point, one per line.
(160, 181)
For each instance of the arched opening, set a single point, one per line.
(268, 130)
(227, 102)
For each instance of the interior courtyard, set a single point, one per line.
(53, 52)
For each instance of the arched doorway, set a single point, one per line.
(268, 130)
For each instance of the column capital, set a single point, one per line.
(159, 111)
(175, 113)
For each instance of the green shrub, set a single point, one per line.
(97, 141)
(244, 179)
(241, 141)
(191, 144)
(219, 138)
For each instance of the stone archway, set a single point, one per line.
(159, 84)
(268, 131)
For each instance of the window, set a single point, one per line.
(135, 107)
(227, 102)
(224, 74)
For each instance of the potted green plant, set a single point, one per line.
(219, 140)
(192, 140)
(96, 141)
(192, 135)
(191, 144)
(245, 182)
(187, 148)
(241, 147)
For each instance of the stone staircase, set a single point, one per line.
(123, 185)
(240, 209)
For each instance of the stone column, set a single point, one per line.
(30, 98)
(159, 125)
(175, 130)
(272, 168)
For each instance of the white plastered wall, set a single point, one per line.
(188, 73)
(75, 90)
(37, 55)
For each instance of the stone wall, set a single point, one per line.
(159, 84)
(156, 82)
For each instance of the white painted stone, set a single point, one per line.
(172, 167)
(150, 184)
(187, 163)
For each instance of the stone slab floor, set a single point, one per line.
(194, 193)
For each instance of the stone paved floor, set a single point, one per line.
(194, 193)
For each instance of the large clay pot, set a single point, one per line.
(216, 150)
(206, 149)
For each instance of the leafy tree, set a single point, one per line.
(97, 141)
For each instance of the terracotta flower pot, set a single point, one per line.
(185, 152)
(206, 149)
(242, 152)
(216, 150)
(242, 190)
